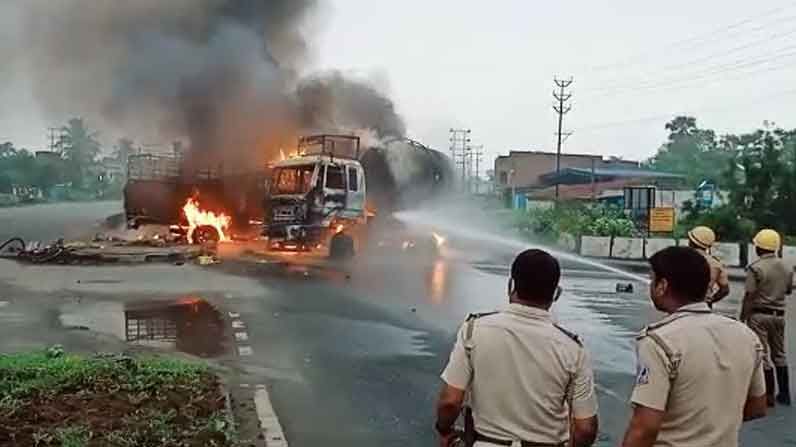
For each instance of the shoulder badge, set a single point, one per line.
(569, 334)
(672, 355)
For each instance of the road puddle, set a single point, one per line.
(189, 324)
(192, 324)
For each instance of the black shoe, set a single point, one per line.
(783, 397)
(769, 373)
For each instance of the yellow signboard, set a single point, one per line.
(661, 220)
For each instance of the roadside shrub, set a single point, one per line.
(577, 219)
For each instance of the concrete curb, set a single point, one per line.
(734, 273)
(269, 422)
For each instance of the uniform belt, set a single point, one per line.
(490, 440)
(775, 312)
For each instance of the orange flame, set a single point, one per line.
(340, 228)
(289, 155)
(197, 218)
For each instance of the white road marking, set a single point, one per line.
(3, 303)
(245, 350)
(234, 315)
(244, 385)
(241, 336)
(237, 324)
(269, 422)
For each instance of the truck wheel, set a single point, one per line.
(341, 246)
(204, 234)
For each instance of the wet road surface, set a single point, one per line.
(48, 222)
(351, 354)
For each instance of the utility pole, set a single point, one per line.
(476, 155)
(54, 135)
(561, 109)
(460, 143)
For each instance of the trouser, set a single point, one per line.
(771, 331)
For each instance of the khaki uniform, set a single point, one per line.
(718, 275)
(699, 368)
(768, 280)
(523, 374)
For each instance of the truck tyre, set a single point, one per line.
(341, 246)
(204, 234)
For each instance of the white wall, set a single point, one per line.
(789, 255)
(655, 245)
(728, 253)
(628, 248)
(595, 246)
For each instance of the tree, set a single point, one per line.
(760, 178)
(7, 149)
(755, 170)
(785, 202)
(690, 151)
(79, 147)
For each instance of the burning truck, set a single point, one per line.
(329, 192)
(201, 204)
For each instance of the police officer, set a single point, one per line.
(768, 280)
(702, 238)
(699, 375)
(527, 377)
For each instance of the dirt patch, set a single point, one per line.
(54, 399)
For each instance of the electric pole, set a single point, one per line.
(460, 143)
(561, 109)
(54, 134)
(476, 155)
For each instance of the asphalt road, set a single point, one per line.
(351, 353)
(49, 222)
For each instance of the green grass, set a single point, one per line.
(173, 402)
(50, 372)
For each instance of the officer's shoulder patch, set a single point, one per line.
(642, 374)
(573, 336)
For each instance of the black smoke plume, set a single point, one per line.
(220, 75)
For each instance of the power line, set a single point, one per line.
(705, 73)
(697, 39)
(561, 109)
(610, 124)
(713, 56)
(700, 81)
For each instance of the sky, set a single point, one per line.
(489, 66)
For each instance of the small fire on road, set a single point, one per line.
(198, 218)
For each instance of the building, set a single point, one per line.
(522, 169)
